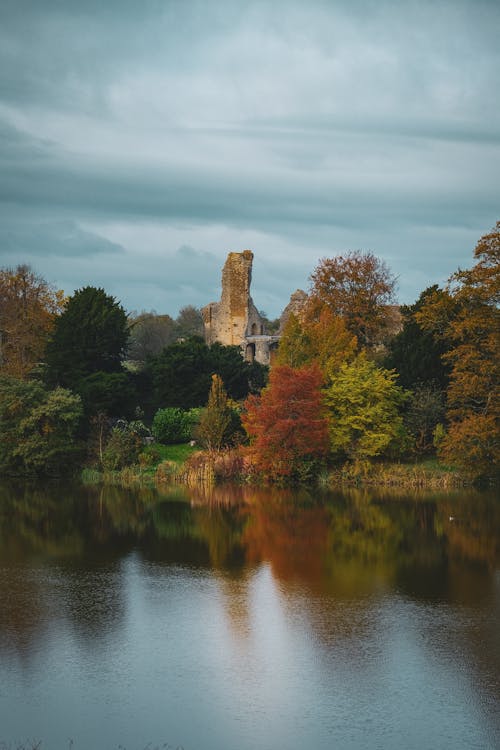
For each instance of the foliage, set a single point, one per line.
(38, 428)
(357, 287)
(189, 322)
(470, 319)
(149, 334)
(318, 336)
(182, 373)
(416, 353)
(425, 410)
(285, 424)
(215, 423)
(122, 449)
(173, 425)
(28, 307)
(90, 336)
(363, 404)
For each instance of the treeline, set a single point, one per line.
(356, 379)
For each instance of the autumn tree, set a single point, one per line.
(317, 335)
(364, 410)
(28, 307)
(288, 432)
(469, 317)
(358, 287)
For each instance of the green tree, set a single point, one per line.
(181, 373)
(424, 411)
(363, 406)
(86, 349)
(416, 353)
(38, 428)
(90, 336)
(216, 419)
(173, 425)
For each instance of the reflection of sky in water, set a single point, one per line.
(318, 651)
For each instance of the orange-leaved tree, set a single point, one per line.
(358, 287)
(469, 317)
(288, 432)
(318, 335)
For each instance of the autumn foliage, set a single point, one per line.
(285, 423)
(357, 287)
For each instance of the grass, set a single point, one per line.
(171, 457)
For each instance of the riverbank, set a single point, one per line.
(185, 464)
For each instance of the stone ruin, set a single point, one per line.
(235, 321)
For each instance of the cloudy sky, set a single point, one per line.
(142, 141)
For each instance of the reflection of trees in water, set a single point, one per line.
(341, 545)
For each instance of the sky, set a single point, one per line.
(140, 142)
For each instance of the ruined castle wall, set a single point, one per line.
(235, 317)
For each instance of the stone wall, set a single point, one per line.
(234, 320)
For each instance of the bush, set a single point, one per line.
(174, 425)
(122, 449)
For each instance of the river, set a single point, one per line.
(244, 619)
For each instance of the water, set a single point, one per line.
(248, 619)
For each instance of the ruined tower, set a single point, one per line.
(235, 321)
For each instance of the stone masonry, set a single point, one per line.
(235, 321)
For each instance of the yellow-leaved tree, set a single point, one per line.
(28, 307)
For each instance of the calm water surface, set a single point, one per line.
(248, 620)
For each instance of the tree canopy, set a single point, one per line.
(89, 336)
(182, 373)
(28, 307)
(358, 287)
(285, 423)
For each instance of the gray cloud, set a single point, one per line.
(304, 129)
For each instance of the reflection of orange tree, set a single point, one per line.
(289, 534)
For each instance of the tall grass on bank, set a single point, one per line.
(425, 475)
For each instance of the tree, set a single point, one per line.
(469, 317)
(287, 430)
(416, 352)
(357, 287)
(216, 419)
(173, 425)
(38, 428)
(90, 336)
(189, 322)
(28, 307)
(182, 373)
(318, 336)
(86, 349)
(364, 404)
(424, 411)
(149, 334)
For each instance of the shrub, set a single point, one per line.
(173, 425)
(122, 449)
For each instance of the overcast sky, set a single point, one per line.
(140, 142)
